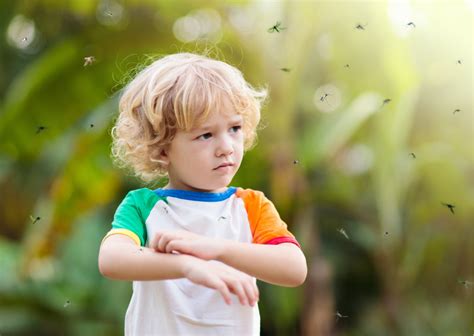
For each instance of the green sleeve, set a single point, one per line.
(132, 213)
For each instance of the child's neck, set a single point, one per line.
(172, 187)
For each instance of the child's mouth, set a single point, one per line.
(225, 167)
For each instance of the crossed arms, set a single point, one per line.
(181, 254)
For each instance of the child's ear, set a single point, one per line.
(164, 156)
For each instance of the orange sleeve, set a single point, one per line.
(265, 222)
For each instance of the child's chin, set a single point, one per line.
(219, 183)
(213, 184)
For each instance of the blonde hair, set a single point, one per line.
(177, 92)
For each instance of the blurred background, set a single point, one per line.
(367, 150)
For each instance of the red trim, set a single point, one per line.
(280, 240)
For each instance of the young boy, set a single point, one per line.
(194, 247)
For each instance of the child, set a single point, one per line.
(194, 247)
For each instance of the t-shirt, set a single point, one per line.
(178, 306)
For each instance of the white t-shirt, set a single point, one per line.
(178, 306)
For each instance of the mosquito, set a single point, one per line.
(347, 66)
(456, 110)
(67, 303)
(296, 161)
(88, 60)
(276, 28)
(411, 24)
(413, 155)
(459, 61)
(285, 69)
(465, 283)
(343, 232)
(40, 129)
(386, 101)
(450, 206)
(323, 97)
(34, 220)
(339, 315)
(360, 27)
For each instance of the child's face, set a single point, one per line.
(196, 158)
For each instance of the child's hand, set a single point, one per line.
(186, 242)
(223, 278)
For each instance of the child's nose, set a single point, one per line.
(225, 146)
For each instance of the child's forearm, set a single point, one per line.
(123, 260)
(282, 264)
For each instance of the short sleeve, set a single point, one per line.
(130, 216)
(265, 223)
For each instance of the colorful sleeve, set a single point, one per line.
(265, 223)
(131, 214)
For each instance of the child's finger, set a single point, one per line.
(175, 245)
(164, 241)
(253, 282)
(154, 241)
(171, 246)
(238, 290)
(159, 240)
(221, 287)
(252, 294)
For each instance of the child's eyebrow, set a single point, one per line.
(235, 119)
(204, 128)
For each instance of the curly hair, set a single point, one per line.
(177, 92)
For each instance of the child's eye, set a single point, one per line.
(235, 129)
(205, 136)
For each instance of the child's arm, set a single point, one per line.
(282, 264)
(121, 259)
